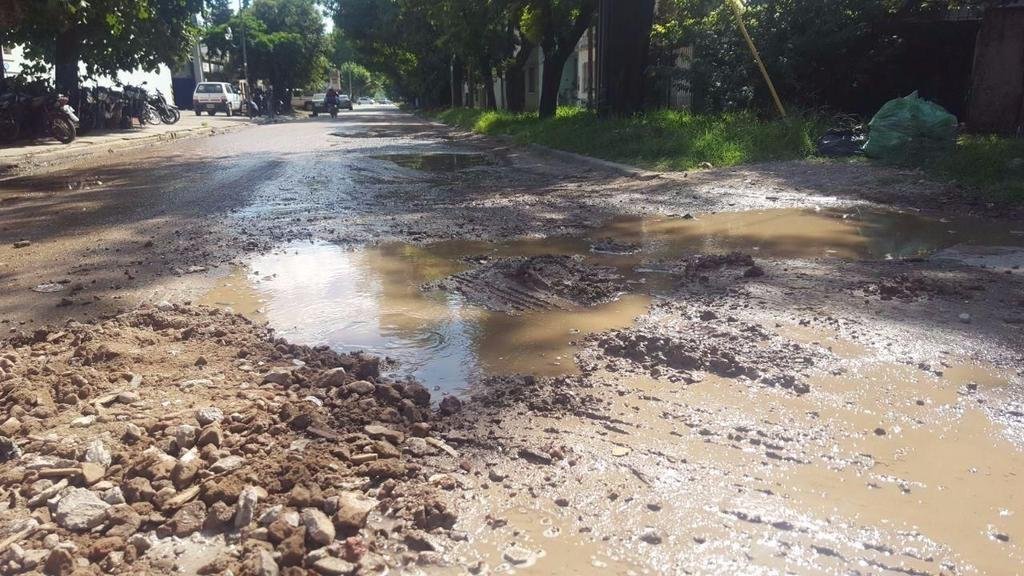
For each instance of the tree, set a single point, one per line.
(557, 26)
(218, 12)
(850, 55)
(625, 41)
(414, 60)
(105, 35)
(285, 39)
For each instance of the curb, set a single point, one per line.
(53, 159)
(623, 169)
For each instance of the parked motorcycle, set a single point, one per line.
(168, 113)
(110, 107)
(47, 114)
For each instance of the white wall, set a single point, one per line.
(160, 79)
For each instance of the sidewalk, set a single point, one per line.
(28, 156)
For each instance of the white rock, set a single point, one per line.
(271, 514)
(247, 501)
(79, 510)
(227, 464)
(184, 435)
(83, 421)
(209, 415)
(331, 566)
(114, 496)
(319, 527)
(97, 453)
(164, 306)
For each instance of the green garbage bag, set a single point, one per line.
(910, 127)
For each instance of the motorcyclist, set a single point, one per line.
(331, 98)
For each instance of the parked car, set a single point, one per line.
(365, 100)
(213, 97)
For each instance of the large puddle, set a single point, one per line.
(371, 298)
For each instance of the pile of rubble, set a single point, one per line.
(681, 344)
(179, 438)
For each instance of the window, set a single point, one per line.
(531, 80)
(209, 89)
(8, 50)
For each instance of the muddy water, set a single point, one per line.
(807, 234)
(370, 298)
(939, 492)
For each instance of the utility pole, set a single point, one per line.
(245, 57)
(451, 78)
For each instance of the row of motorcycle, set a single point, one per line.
(39, 112)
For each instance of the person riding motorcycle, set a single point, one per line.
(331, 101)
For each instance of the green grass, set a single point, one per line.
(678, 140)
(989, 166)
(662, 140)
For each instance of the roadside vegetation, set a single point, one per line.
(990, 166)
(661, 140)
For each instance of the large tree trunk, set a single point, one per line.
(516, 78)
(65, 61)
(554, 62)
(558, 46)
(997, 93)
(624, 41)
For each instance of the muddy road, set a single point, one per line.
(546, 366)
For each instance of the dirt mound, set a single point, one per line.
(702, 342)
(124, 436)
(536, 283)
(698, 266)
(543, 395)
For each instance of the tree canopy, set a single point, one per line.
(105, 35)
(285, 42)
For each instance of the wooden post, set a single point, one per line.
(738, 9)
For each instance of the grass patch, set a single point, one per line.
(661, 140)
(992, 166)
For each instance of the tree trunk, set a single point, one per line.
(488, 87)
(65, 61)
(997, 93)
(457, 85)
(551, 79)
(625, 39)
(558, 45)
(516, 78)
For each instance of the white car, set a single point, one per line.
(213, 97)
(365, 100)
